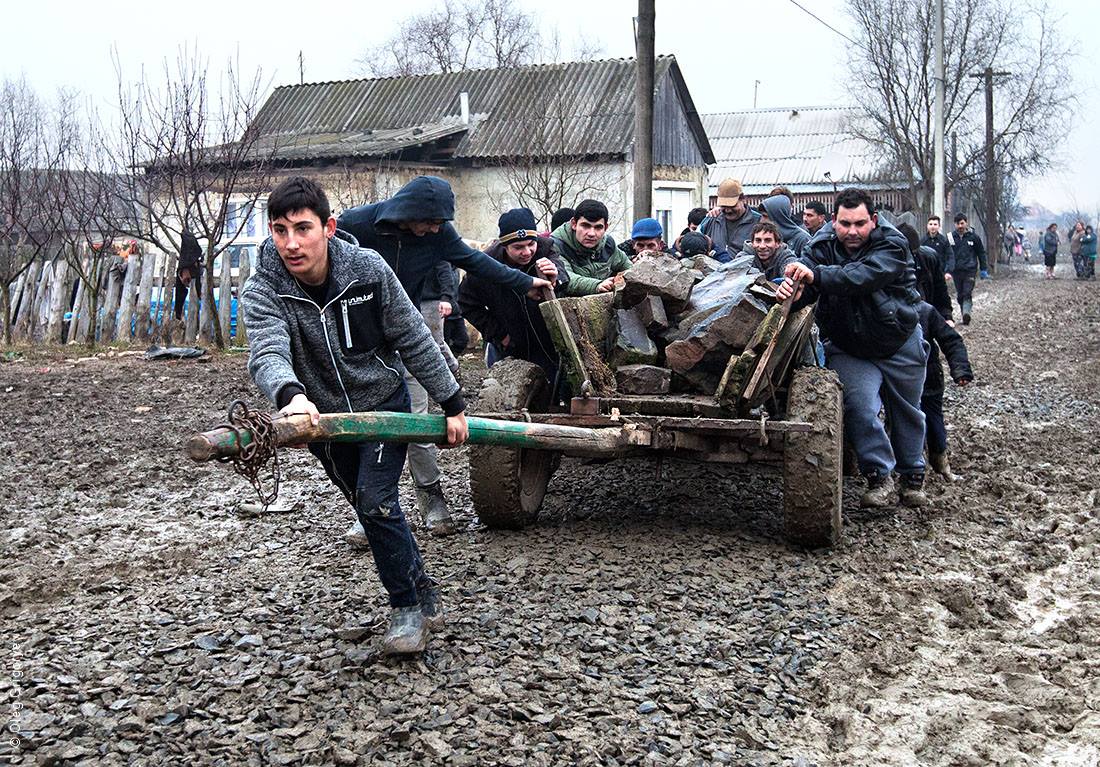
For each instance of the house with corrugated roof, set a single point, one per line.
(810, 150)
(542, 136)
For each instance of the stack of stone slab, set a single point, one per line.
(676, 326)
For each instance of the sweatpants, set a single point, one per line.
(896, 383)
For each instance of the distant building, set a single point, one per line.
(807, 149)
(545, 136)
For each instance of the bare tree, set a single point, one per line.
(185, 152)
(892, 71)
(31, 153)
(466, 34)
(89, 216)
(550, 173)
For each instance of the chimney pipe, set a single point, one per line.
(464, 107)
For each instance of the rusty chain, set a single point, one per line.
(251, 458)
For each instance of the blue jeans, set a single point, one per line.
(895, 382)
(932, 407)
(367, 474)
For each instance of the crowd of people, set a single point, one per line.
(1081, 240)
(352, 314)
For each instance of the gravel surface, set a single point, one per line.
(648, 618)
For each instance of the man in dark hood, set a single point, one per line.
(513, 324)
(777, 209)
(859, 271)
(412, 231)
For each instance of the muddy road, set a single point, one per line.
(645, 620)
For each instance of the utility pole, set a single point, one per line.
(301, 68)
(755, 90)
(940, 181)
(991, 180)
(643, 110)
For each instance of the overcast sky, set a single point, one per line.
(722, 47)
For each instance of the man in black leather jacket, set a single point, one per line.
(859, 270)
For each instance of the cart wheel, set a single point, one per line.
(813, 461)
(507, 485)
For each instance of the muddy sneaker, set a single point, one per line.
(431, 607)
(912, 491)
(941, 466)
(879, 494)
(434, 511)
(407, 634)
(356, 536)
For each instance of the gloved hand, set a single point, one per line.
(984, 274)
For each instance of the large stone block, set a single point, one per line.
(721, 286)
(632, 345)
(661, 276)
(706, 341)
(651, 312)
(643, 379)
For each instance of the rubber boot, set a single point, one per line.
(407, 634)
(966, 307)
(431, 607)
(941, 466)
(434, 511)
(879, 493)
(912, 491)
(356, 536)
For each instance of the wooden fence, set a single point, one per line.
(136, 302)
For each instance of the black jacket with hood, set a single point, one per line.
(940, 335)
(441, 284)
(413, 258)
(190, 253)
(930, 281)
(778, 208)
(867, 300)
(498, 313)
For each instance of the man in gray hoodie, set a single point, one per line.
(329, 329)
(778, 210)
(769, 253)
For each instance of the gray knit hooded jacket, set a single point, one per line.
(346, 355)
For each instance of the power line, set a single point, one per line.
(825, 23)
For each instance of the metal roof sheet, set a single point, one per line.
(789, 146)
(572, 109)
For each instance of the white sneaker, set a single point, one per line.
(356, 536)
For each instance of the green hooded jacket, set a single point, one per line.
(588, 268)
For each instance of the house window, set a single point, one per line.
(665, 217)
(231, 213)
(250, 218)
(671, 205)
